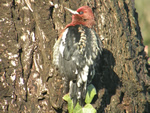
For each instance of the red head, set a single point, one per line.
(83, 15)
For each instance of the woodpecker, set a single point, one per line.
(77, 52)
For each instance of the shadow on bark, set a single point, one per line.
(106, 81)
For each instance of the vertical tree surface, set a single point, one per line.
(30, 83)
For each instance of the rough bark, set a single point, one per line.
(29, 82)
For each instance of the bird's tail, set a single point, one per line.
(77, 94)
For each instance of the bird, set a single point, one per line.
(77, 52)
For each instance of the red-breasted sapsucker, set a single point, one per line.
(77, 51)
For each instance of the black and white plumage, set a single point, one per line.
(76, 54)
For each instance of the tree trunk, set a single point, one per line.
(30, 83)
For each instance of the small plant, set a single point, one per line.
(88, 108)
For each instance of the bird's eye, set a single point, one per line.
(80, 12)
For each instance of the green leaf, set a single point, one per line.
(78, 108)
(88, 108)
(70, 102)
(148, 61)
(91, 92)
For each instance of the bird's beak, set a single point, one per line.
(71, 11)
